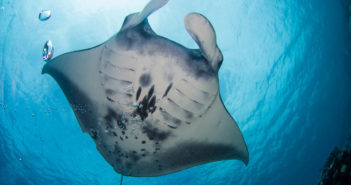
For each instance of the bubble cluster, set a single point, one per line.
(48, 50)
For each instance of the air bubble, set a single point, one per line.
(44, 15)
(48, 50)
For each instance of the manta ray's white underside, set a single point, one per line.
(151, 105)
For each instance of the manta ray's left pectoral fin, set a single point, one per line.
(201, 30)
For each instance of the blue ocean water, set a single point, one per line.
(285, 79)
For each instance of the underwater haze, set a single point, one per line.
(285, 79)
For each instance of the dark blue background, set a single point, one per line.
(285, 78)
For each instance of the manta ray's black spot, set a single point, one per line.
(114, 133)
(151, 106)
(109, 99)
(167, 90)
(109, 92)
(117, 149)
(134, 156)
(172, 127)
(151, 91)
(141, 110)
(143, 142)
(155, 133)
(93, 133)
(121, 123)
(113, 117)
(121, 138)
(138, 94)
(188, 114)
(145, 80)
(146, 105)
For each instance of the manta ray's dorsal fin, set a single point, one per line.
(136, 18)
(201, 30)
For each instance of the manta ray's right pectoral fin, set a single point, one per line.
(201, 30)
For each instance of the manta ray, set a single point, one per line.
(151, 105)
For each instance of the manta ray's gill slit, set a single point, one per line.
(115, 95)
(204, 95)
(195, 102)
(107, 51)
(123, 82)
(108, 58)
(184, 112)
(109, 65)
(168, 117)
